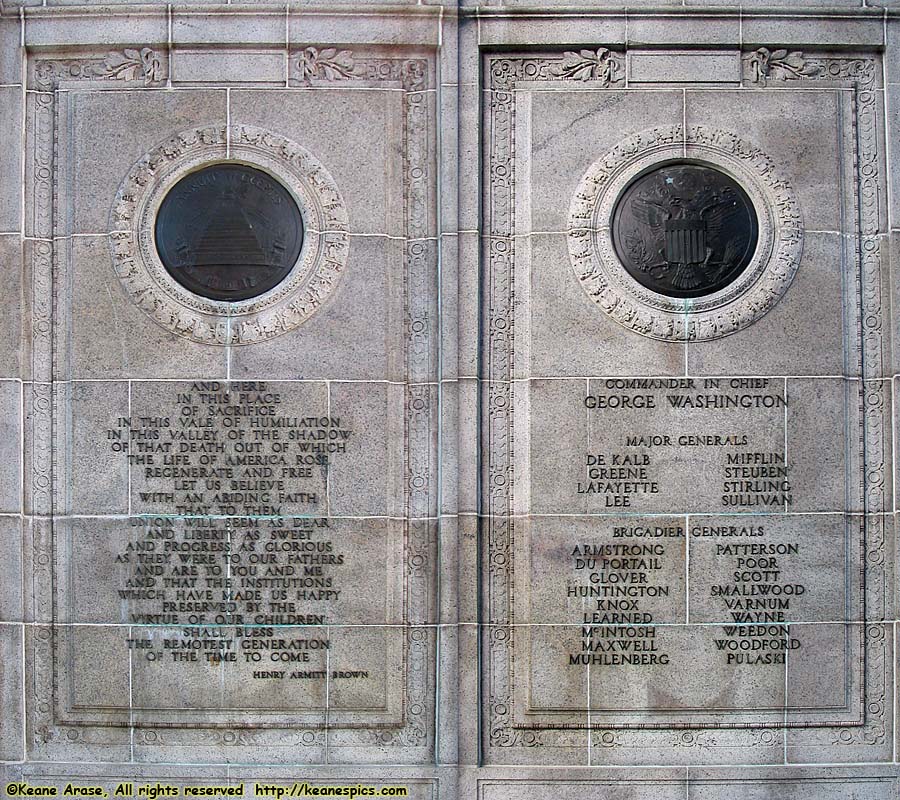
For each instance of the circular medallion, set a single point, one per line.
(229, 232)
(684, 230)
(684, 235)
(229, 236)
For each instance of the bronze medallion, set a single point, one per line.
(684, 230)
(229, 232)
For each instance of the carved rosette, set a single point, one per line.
(308, 285)
(742, 302)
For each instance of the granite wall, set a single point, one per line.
(460, 505)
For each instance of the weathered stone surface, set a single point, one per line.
(459, 503)
(10, 450)
(362, 158)
(11, 678)
(11, 160)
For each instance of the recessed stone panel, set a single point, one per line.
(11, 647)
(693, 530)
(112, 337)
(11, 351)
(11, 424)
(125, 126)
(361, 158)
(812, 157)
(568, 337)
(211, 575)
(556, 124)
(797, 337)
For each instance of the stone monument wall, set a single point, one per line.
(510, 417)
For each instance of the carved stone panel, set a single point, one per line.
(682, 561)
(449, 399)
(236, 554)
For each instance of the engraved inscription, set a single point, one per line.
(697, 445)
(232, 556)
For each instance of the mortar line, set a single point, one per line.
(287, 45)
(784, 732)
(605, 228)
(439, 445)
(373, 235)
(893, 447)
(131, 699)
(786, 432)
(271, 86)
(395, 518)
(887, 106)
(22, 481)
(169, 44)
(218, 379)
(228, 347)
(687, 570)
(256, 765)
(128, 442)
(228, 587)
(227, 122)
(23, 67)
(162, 515)
(588, 706)
(327, 694)
(24, 695)
(391, 382)
(718, 623)
(328, 466)
(676, 377)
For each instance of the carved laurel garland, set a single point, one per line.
(772, 66)
(755, 291)
(146, 65)
(314, 277)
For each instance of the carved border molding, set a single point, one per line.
(620, 296)
(505, 75)
(293, 301)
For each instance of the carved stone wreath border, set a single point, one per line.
(504, 74)
(621, 297)
(48, 737)
(294, 300)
